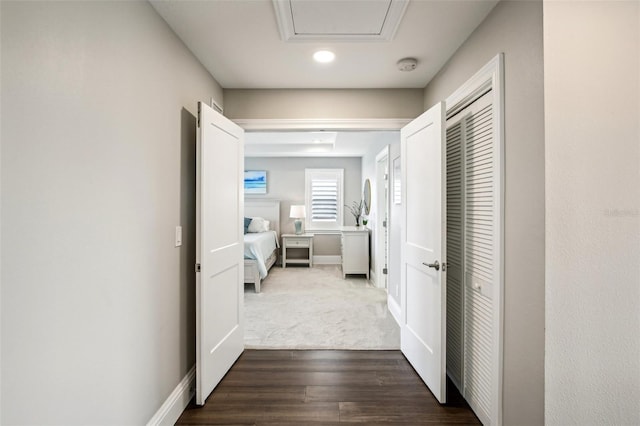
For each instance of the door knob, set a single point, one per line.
(435, 265)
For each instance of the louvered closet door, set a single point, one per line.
(471, 255)
(479, 255)
(455, 306)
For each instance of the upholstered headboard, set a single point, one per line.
(267, 209)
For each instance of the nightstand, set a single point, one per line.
(294, 241)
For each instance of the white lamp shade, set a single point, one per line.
(297, 212)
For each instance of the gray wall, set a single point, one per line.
(592, 115)
(515, 28)
(98, 154)
(286, 183)
(340, 103)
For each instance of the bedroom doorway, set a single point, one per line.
(285, 173)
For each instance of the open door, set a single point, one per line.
(423, 289)
(219, 248)
(382, 218)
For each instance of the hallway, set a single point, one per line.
(325, 387)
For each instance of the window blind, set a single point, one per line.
(324, 200)
(323, 195)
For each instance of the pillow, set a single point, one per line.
(247, 221)
(258, 224)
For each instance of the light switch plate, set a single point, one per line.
(178, 236)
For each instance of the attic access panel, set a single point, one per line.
(339, 20)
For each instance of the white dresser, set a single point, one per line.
(355, 250)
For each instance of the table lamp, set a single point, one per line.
(297, 213)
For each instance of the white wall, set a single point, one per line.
(515, 28)
(286, 178)
(592, 116)
(98, 154)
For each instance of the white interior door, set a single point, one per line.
(219, 248)
(423, 289)
(395, 230)
(382, 217)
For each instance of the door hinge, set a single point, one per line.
(199, 113)
(384, 223)
(385, 271)
(198, 268)
(386, 176)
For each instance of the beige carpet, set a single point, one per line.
(302, 308)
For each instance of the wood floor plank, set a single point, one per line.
(303, 413)
(325, 388)
(419, 394)
(261, 395)
(251, 354)
(405, 413)
(347, 355)
(295, 378)
(321, 365)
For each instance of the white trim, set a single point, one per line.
(491, 76)
(327, 260)
(269, 124)
(284, 17)
(394, 308)
(372, 278)
(480, 82)
(170, 411)
(382, 246)
(216, 106)
(382, 154)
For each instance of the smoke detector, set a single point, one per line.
(407, 64)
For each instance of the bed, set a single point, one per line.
(261, 249)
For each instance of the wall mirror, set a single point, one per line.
(367, 196)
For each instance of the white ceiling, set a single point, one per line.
(317, 144)
(240, 44)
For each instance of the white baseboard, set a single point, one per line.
(372, 278)
(175, 404)
(327, 260)
(394, 308)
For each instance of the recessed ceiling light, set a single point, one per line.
(324, 56)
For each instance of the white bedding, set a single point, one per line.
(259, 246)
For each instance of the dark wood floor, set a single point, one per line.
(325, 388)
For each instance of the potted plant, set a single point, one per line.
(356, 210)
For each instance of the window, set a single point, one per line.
(323, 198)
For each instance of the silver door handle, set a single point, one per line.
(435, 265)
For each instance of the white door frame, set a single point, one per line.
(491, 77)
(275, 124)
(382, 209)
